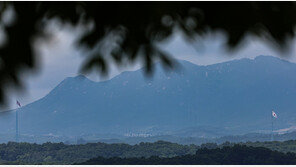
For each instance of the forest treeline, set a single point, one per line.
(227, 155)
(60, 153)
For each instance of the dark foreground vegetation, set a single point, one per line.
(59, 153)
(234, 155)
(160, 152)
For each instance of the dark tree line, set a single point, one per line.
(99, 153)
(59, 153)
(235, 155)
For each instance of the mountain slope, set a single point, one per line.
(236, 96)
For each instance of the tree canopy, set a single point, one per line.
(145, 153)
(129, 31)
(235, 155)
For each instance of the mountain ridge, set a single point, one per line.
(232, 95)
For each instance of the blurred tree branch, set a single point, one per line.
(135, 27)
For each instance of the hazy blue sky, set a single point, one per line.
(59, 58)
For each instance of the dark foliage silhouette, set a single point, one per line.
(163, 152)
(131, 30)
(236, 155)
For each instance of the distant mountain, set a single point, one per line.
(250, 137)
(233, 97)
